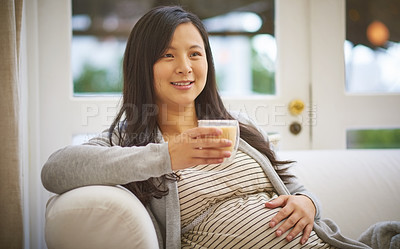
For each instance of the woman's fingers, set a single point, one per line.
(199, 145)
(297, 214)
(297, 225)
(288, 223)
(211, 153)
(283, 213)
(202, 137)
(306, 233)
(216, 143)
(200, 156)
(203, 132)
(277, 202)
(298, 228)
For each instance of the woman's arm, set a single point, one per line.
(97, 162)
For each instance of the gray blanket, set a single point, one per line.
(382, 235)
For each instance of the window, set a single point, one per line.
(372, 57)
(241, 37)
(373, 139)
(372, 48)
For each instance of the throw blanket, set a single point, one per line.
(382, 235)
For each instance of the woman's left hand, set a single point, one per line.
(299, 211)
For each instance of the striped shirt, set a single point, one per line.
(222, 206)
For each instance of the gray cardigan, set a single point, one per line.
(99, 163)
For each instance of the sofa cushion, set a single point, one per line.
(357, 188)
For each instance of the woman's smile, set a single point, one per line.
(183, 85)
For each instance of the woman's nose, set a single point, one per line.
(184, 67)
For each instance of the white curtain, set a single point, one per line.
(11, 226)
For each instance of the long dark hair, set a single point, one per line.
(136, 123)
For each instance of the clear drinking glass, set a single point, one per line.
(230, 130)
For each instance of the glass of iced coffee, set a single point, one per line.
(230, 130)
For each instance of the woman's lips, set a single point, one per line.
(183, 84)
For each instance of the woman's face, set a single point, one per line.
(180, 74)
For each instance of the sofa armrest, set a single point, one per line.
(98, 217)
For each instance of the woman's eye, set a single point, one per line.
(168, 56)
(195, 54)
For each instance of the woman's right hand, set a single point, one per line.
(199, 145)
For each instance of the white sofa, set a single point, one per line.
(357, 188)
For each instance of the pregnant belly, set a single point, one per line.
(242, 223)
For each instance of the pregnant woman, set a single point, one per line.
(155, 149)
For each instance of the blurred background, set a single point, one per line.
(242, 36)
